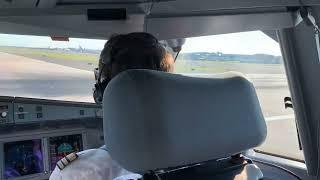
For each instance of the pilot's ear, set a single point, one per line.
(167, 64)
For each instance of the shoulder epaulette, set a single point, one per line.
(62, 163)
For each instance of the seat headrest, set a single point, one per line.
(156, 120)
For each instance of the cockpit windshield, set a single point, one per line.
(38, 67)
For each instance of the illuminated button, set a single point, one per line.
(4, 114)
(20, 109)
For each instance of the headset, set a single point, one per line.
(106, 62)
(99, 86)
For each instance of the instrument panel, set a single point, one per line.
(27, 110)
(36, 133)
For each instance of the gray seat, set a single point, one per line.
(155, 120)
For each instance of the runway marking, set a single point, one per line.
(282, 117)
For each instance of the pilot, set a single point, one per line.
(122, 52)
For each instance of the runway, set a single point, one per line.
(26, 77)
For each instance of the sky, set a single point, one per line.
(254, 42)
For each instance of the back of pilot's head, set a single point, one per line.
(138, 50)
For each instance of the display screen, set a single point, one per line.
(23, 158)
(61, 146)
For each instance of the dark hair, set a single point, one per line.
(137, 50)
(129, 51)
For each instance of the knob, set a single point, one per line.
(4, 114)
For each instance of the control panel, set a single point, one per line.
(27, 110)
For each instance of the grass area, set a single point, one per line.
(50, 54)
(182, 66)
(188, 66)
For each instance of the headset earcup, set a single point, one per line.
(97, 93)
(99, 90)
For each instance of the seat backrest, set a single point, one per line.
(155, 120)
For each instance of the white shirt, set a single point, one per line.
(93, 164)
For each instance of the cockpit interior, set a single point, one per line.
(241, 104)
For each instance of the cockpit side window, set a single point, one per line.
(259, 58)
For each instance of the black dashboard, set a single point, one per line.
(36, 133)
